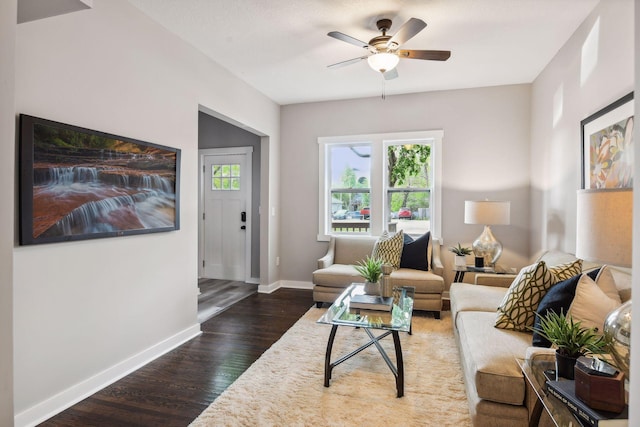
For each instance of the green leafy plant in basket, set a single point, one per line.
(370, 269)
(460, 250)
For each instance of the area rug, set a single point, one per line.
(285, 386)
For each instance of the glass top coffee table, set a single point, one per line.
(392, 322)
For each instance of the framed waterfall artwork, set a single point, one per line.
(607, 146)
(78, 184)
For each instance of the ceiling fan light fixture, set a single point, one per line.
(383, 61)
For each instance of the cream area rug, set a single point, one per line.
(285, 386)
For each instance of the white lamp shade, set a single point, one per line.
(383, 62)
(604, 226)
(487, 212)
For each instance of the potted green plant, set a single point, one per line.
(371, 270)
(460, 254)
(571, 340)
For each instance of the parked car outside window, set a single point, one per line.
(365, 212)
(340, 214)
(404, 213)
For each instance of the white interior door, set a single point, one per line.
(226, 205)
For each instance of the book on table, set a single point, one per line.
(371, 302)
(565, 391)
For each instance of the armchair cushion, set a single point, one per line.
(388, 248)
(414, 253)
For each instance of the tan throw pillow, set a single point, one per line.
(566, 271)
(591, 305)
(519, 305)
(607, 283)
(389, 248)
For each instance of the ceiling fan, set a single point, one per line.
(384, 53)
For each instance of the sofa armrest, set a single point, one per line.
(436, 260)
(492, 279)
(327, 260)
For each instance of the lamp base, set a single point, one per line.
(487, 247)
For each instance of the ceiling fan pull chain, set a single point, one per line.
(384, 95)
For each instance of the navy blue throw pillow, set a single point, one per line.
(414, 253)
(558, 298)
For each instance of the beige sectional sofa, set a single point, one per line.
(497, 392)
(336, 271)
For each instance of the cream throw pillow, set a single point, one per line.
(607, 283)
(389, 248)
(519, 305)
(591, 305)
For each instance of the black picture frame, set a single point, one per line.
(607, 146)
(77, 183)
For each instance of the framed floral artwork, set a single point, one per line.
(607, 146)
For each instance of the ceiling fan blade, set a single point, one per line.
(347, 62)
(433, 55)
(391, 74)
(410, 28)
(345, 38)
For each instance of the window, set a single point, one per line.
(225, 177)
(380, 182)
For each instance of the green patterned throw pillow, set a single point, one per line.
(389, 248)
(566, 271)
(518, 307)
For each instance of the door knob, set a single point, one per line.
(244, 227)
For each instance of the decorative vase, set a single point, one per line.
(565, 365)
(617, 328)
(372, 288)
(460, 260)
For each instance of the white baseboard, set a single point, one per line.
(292, 284)
(74, 394)
(296, 284)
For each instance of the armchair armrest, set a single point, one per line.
(328, 259)
(436, 261)
(492, 279)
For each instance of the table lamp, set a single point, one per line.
(604, 234)
(487, 213)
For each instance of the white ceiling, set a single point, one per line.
(281, 47)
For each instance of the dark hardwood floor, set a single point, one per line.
(175, 388)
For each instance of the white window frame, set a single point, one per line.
(378, 184)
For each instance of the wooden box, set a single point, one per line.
(600, 392)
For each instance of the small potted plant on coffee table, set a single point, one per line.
(460, 254)
(571, 340)
(371, 270)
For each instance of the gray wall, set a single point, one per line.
(216, 133)
(85, 313)
(8, 13)
(565, 93)
(485, 154)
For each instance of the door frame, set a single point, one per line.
(227, 151)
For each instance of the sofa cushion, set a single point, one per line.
(518, 308)
(337, 275)
(591, 305)
(488, 357)
(425, 282)
(469, 297)
(352, 249)
(388, 248)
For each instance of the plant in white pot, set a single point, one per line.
(571, 340)
(460, 254)
(371, 270)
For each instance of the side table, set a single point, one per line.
(548, 410)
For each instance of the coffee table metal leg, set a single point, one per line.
(327, 359)
(399, 364)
